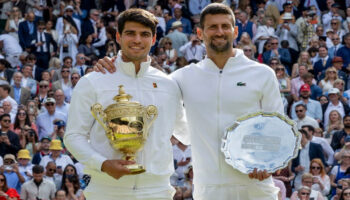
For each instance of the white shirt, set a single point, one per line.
(307, 121)
(14, 105)
(63, 160)
(193, 52)
(41, 38)
(63, 109)
(11, 45)
(87, 141)
(212, 104)
(304, 160)
(330, 108)
(26, 169)
(44, 123)
(179, 156)
(327, 149)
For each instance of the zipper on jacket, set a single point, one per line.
(218, 118)
(139, 94)
(136, 182)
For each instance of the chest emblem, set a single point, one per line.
(241, 84)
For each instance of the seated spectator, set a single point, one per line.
(320, 179)
(193, 50)
(286, 176)
(5, 90)
(6, 71)
(264, 32)
(182, 157)
(323, 100)
(86, 47)
(335, 123)
(42, 151)
(72, 188)
(302, 118)
(344, 51)
(38, 187)
(13, 21)
(170, 52)
(246, 40)
(9, 141)
(316, 91)
(282, 54)
(304, 193)
(50, 174)
(297, 82)
(80, 63)
(304, 59)
(27, 79)
(21, 120)
(327, 82)
(339, 136)
(307, 180)
(24, 164)
(11, 171)
(178, 17)
(56, 156)
(68, 41)
(19, 93)
(323, 63)
(54, 68)
(7, 193)
(340, 84)
(284, 83)
(339, 171)
(345, 194)
(44, 87)
(61, 105)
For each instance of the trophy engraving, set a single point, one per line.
(126, 124)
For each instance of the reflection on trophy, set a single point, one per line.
(126, 124)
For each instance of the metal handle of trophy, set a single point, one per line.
(98, 113)
(152, 113)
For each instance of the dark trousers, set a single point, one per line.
(42, 59)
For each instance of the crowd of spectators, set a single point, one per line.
(46, 46)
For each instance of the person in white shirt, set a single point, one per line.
(68, 11)
(61, 160)
(86, 139)
(182, 156)
(302, 118)
(334, 104)
(212, 105)
(193, 50)
(4, 97)
(10, 46)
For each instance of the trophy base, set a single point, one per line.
(136, 169)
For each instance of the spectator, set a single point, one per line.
(61, 105)
(316, 91)
(264, 32)
(339, 136)
(288, 30)
(9, 141)
(45, 120)
(43, 150)
(71, 186)
(44, 87)
(61, 195)
(177, 37)
(178, 17)
(80, 63)
(5, 191)
(345, 194)
(323, 63)
(13, 21)
(20, 94)
(68, 41)
(22, 120)
(302, 119)
(282, 54)
(68, 13)
(7, 109)
(89, 26)
(50, 174)
(336, 45)
(337, 29)
(320, 179)
(344, 51)
(307, 181)
(64, 83)
(338, 64)
(26, 31)
(11, 49)
(86, 46)
(306, 31)
(245, 26)
(301, 164)
(339, 171)
(6, 72)
(100, 38)
(4, 97)
(246, 40)
(51, 31)
(24, 164)
(38, 187)
(304, 193)
(339, 84)
(61, 160)
(328, 81)
(10, 170)
(335, 124)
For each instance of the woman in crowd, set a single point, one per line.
(21, 120)
(321, 180)
(32, 110)
(68, 41)
(286, 176)
(72, 188)
(335, 123)
(338, 171)
(86, 46)
(170, 52)
(340, 84)
(53, 32)
(55, 68)
(5, 192)
(304, 59)
(318, 132)
(323, 99)
(345, 194)
(246, 40)
(328, 81)
(284, 83)
(12, 23)
(264, 32)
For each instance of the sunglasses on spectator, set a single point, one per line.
(82, 58)
(44, 86)
(346, 194)
(2, 180)
(49, 104)
(74, 78)
(274, 63)
(273, 43)
(52, 170)
(334, 23)
(315, 167)
(247, 50)
(22, 113)
(6, 120)
(305, 193)
(298, 111)
(336, 39)
(65, 71)
(168, 43)
(279, 69)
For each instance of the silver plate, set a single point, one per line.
(266, 141)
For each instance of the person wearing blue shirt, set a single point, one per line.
(186, 23)
(11, 172)
(344, 51)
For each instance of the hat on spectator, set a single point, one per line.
(50, 100)
(177, 6)
(176, 24)
(305, 87)
(333, 91)
(329, 30)
(335, 5)
(69, 7)
(287, 15)
(24, 154)
(10, 157)
(337, 59)
(45, 138)
(56, 145)
(347, 138)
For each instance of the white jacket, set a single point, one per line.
(213, 100)
(86, 138)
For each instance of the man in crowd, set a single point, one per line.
(24, 165)
(177, 37)
(20, 94)
(316, 91)
(5, 90)
(27, 79)
(282, 54)
(332, 51)
(64, 83)
(26, 31)
(80, 64)
(61, 160)
(323, 63)
(302, 118)
(344, 51)
(61, 105)
(338, 137)
(9, 141)
(50, 174)
(193, 50)
(38, 187)
(43, 151)
(10, 46)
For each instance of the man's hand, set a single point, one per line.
(116, 168)
(105, 63)
(299, 168)
(6, 140)
(261, 175)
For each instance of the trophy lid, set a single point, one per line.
(122, 96)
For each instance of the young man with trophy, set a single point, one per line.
(218, 93)
(127, 150)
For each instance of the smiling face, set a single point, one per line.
(218, 33)
(136, 41)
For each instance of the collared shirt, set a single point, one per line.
(27, 169)
(11, 45)
(41, 38)
(62, 160)
(46, 190)
(63, 108)
(314, 109)
(330, 108)
(327, 149)
(306, 121)
(31, 27)
(296, 83)
(304, 160)
(17, 94)
(44, 123)
(191, 52)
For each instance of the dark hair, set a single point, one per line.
(345, 117)
(5, 63)
(302, 105)
(40, 23)
(38, 169)
(307, 75)
(303, 132)
(74, 179)
(5, 115)
(26, 121)
(31, 57)
(6, 87)
(214, 9)
(70, 20)
(5, 187)
(64, 67)
(342, 193)
(309, 127)
(322, 47)
(64, 175)
(137, 15)
(67, 57)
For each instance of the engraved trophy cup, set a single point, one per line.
(126, 124)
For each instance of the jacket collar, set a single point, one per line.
(128, 68)
(231, 63)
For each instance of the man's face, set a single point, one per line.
(55, 153)
(41, 28)
(74, 79)
(31, 17)
(136, 41)
(17, 78)
(333, 97)
(50, 169)
(319, 31)
(59, 96)
(305, 94)
(31, 62)
(347, 122)
(69, 12)
(309, 133)
(288, 8)
(336, 39)
(65, 72)
(45, 144)
(218, 33)
(5, 122)
(308, 81)
(7, 107)
(38, 177)
(27, 71)
(177, 13)
(50, 107)
(300, 111)
(9, 162)
(23, 161)
(322, 52)
(304, 194)
(68, 63)
(80, 59)
(61, 195)
(338, 65)
(307, 182)
(95, 16)
(347, 41)
(302, 70)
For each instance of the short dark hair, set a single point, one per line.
(137, 15)
(303, 132)
(322, 46)
(307, 75)
(6, 87)
(215, 9)
(31, 57)
(38, 169)
(302, 105)
(5, 115)
(5, 63)
(40, 23)
(309, 127)
(66, 58)
(345, 117)
(346, 36)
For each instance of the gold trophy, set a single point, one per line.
(126, 124)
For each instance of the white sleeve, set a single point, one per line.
(79, 125)
(271, 100)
